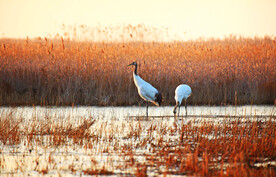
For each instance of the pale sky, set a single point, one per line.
(188, 19)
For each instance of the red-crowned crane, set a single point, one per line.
(145, 90)
(183, 91)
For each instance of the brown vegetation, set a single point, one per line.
(141, 148)
(62, 72)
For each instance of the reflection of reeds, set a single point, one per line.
(61, 72)
(232, 148)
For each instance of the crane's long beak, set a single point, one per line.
(130, 64)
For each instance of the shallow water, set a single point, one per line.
(124, 112)
(115, 122)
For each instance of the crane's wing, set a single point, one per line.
(151, 94)
(148, 91)
(184, 94)
(182, 91)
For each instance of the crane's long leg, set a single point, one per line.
(175, 110)
(147, 105)
(186, 107)
(178, 110)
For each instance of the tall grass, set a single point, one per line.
(63, 72)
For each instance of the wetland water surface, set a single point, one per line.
(123, 112)
(83, 141)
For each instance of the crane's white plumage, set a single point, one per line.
(145, 90)
(183, 91)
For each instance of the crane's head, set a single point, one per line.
(134, 64)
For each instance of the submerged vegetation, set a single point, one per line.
(244, 146)
(63, 72)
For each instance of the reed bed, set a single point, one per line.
(63, 72)
(91, 146)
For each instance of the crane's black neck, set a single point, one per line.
(135, 70)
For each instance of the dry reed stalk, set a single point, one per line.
(230, 71)
(207, 149)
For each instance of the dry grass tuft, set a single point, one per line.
(102, 171)
(9, 130)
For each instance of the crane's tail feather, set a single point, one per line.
(158, 98)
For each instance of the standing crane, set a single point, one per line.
(145, 90)
(183, 91)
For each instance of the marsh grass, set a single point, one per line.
(63, 72)
(140, 148)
